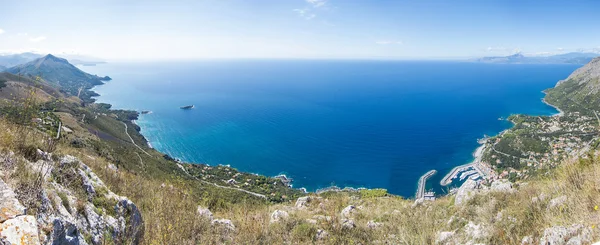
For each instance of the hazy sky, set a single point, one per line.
(298, 28)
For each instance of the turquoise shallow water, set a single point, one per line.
(349, 123)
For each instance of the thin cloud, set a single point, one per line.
(305, 13)
(313, 7)
(1, 31)
(37, 39)
(317, 3)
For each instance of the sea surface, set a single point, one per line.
(374, 124)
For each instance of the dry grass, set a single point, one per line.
(169, 207)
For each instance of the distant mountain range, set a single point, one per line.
(10, 60)
(60, 72)
(568, 58)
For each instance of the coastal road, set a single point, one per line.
(220, 186)
(182, 168)
(133, 142)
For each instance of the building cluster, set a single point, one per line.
(562, 137)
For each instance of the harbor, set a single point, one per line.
(474, 170)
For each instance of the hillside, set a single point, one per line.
(580, 91)
(70, 79)
(85, 174)
(568, 58)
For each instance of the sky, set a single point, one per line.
(336, 29)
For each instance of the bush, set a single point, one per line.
(372, 193)
(304, 232)
(65, 200)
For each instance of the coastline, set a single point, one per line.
(560, 112)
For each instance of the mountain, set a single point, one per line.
(16, 59)
(60, 72)
(518, 58)
(580, 92)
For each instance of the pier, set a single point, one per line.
(421, 185)
(476, 169)
(454, 173)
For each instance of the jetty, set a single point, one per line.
(454, 173)
(421, 185)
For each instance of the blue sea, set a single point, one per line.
(374, 124)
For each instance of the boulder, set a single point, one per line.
(347, 211)
(465, 192)
(224, 223)
(20, 230)
(303, 202)
(501, 185)
(556, 202)
(127, 210)
(348, 224)
(279, 215)
(373, 225)
(205, 213)
(527, 240)
(321, 234)
(10, 207)
(66, 233)
(443, 237)
(475, 231)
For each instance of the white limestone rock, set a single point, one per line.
(475, 231)
(20, 230)
(10, 207)
(303, 202)
(348, 224)
(371, 224)
(348, 211)
(501, 185)
(465, 192)
(575, 234)
(278, 215)
(322, 234)
(224, 223)
(444, 236)
(557, 202)
(205, 213)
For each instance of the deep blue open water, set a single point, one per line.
(348, 123)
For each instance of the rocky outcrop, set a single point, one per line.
(465, 192)
(225, 224)
(278, 215)
(65, 217)
(348, 211)
(303, 202)
(575, 234)
(20, 230)
(15, 226)
(204, 213)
